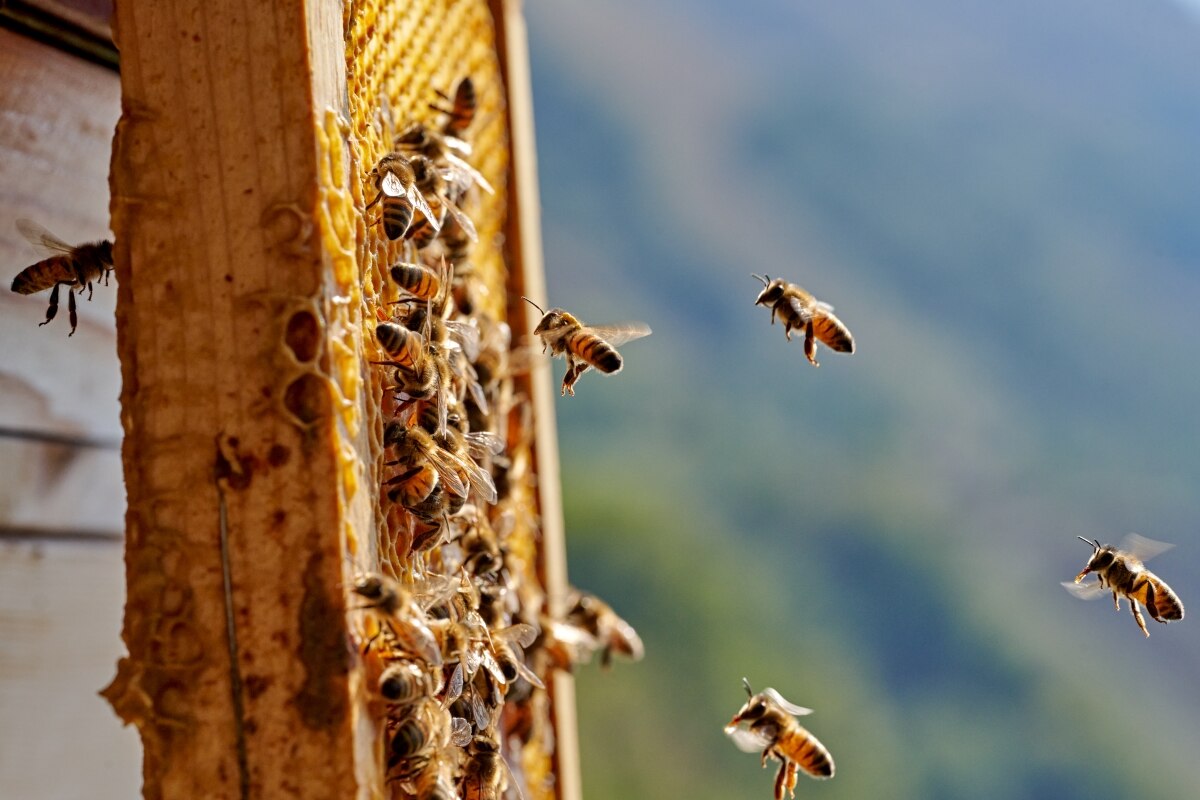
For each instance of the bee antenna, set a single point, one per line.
(746, 683)
(1095, 545)
(765, 281)
(535, 305)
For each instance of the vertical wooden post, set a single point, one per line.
(242, 401)
(525, 242)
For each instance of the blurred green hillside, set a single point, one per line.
(999, 199)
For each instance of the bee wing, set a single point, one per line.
(831, 331)
(621, 332)
(479, 478)
(454, 689)
(482, 443)
(462, 219)
(444, 464)
(467, 336)
(455, 143)
(42, 240)
(460, 731)
(417, 199)
(465, 170)
(1142, 548)
(746, 740)
(525, 672)
(522, 633)
(392, 186)
(791, 708)
(479, 711)
(1085, 591)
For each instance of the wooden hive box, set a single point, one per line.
(249, 281)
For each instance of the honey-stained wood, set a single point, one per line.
(60, 470)
(241, 400)
(60, 612)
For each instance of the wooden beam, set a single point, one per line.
(525, 245)
(241, 353)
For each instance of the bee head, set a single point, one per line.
(772, 290)
(425, 173)
(552, 320)
(106, 255)
(415, 137)
(369, 586)
(1102, 558)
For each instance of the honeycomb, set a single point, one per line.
(401, 59)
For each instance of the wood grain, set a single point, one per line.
(236, 447)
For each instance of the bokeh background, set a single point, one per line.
(1002, 200)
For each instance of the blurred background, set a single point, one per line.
(1002, 202)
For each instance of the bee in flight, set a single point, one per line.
(799, 310)
(772, 729)
(1122, 572)
(584, 346)
(395, 184)
(73, 267)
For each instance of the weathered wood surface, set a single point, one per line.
(60, 612)
(243, 439)
(57, 115)
(525, 243)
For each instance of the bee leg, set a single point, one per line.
(71, 312)
(1152, 603)
(791, 778)
(810, 345)
(1116, 601)
(781, 780)
(1137, 615)
(89, 291)
(367, 207)
(53, 307)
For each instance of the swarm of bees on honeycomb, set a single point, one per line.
(456, 638)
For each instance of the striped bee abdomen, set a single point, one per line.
(808, 753)
(397, 214)
(599, 353)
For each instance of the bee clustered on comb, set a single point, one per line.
(455, 635)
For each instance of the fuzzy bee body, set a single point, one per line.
(1122, 572)
(799, 310)
(584, 347)
(773, 730)
(395, 184)
(77, 268)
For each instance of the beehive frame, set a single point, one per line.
(249, 280)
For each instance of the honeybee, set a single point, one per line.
(395, 183)
(418, 138)
(508, 644)
(418, 738)
(584, 346)
(485, 776)
(462, 108)
(74, 267)
(772, 728)
(415, 443)
(1122, 572)
(610, 632)
(420, 281)
(404, 682)
(399, 615)
(431, 180)
(800, 310)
